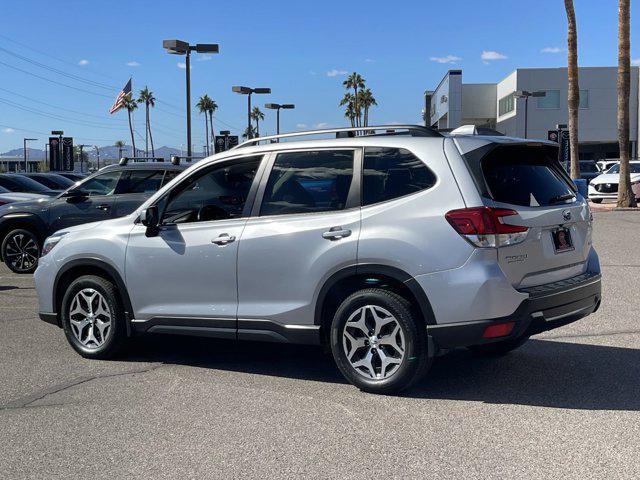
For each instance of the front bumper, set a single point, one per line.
(548, 306)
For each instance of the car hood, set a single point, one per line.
(613, 178)
(22, 197)
(81, 227)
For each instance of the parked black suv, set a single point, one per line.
(114, 191)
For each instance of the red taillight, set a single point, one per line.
(482, 221)
(498, 330)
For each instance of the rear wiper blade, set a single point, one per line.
(561, 198)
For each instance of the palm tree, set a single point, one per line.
(573, 96)
(203, 106)
(257, 115)
(366, 100)
(355, 81)
(350, 111)
(120, 145)
(249, 132)
(626, 197)
(130, 104)
(149, 100)
(212, 107)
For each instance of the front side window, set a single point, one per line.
(104, 184)
(216, 193)
(308, 182)
(141, 181)
(391, 173)
(550, 100)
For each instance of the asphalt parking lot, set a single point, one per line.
(566, 404)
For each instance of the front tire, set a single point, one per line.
(93, 318)
(378, 343)
(21, 251)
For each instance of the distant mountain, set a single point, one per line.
(109, 152)
(32, 153)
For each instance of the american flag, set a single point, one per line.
(119, 102)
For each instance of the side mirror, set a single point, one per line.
(150, 219)
(75, 194)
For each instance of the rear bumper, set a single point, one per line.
(548, 306)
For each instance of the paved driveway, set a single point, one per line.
(565, 405)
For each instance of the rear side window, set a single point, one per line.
(525, 176)
(391, 173)
(308, 182)
(103, 184)
(140, 181)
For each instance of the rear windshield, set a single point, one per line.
(527, 176)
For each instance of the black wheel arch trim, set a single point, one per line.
(111, 271)
(376, 269)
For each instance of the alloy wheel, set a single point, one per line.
(373, 342)
(90, 318)
(21, 252)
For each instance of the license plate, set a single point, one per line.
(562, 240)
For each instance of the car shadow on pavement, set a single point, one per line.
(541, 373)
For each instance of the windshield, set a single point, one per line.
(633, 168)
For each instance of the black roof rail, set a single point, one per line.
(124, 160)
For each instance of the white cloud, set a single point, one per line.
(635, 62)
(182, 65)
(369, 60)
(8, 130)
(445, 59)
(488, 55)
(322, 125)
(133, 63)
(552, 50)
(204, 57)
(301, 125)
(83, 62)
(312, 72)
(335, 73)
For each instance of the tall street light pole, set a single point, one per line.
(248, 91)
(24, 145)
(179, 47)
(277, 107)
(526, 94)
(98, 154)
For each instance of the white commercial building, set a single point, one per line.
(494, 105)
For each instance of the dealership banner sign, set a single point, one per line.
(67, 154)
(561, 137)
(225, 142)
(54, 154)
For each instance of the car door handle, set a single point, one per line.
(224, 239)
(103, 207)
(336, 233)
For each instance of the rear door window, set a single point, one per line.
(525, 176)
(308, 182)
(140, 181)
(392, 173)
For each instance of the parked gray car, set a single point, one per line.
(388, 247)
(114, 191)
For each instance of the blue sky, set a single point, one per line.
(301, 49)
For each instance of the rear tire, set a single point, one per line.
(497, 349)
(378, 343)
(21, 251)
(596, 200)
(93, 317)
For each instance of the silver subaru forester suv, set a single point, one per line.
(389, 245)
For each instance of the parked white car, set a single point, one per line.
(605, 186)
(604, 165)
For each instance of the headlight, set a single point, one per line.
(51, 242)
